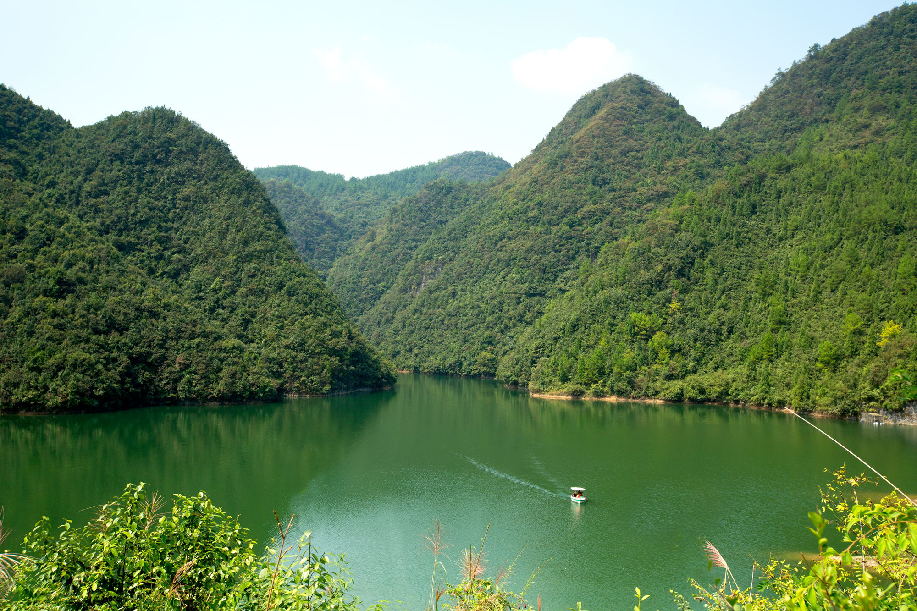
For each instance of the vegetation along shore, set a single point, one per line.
(634, 255)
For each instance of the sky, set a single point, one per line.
(363, 88)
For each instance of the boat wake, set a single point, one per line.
(508, 477)
(544, 472)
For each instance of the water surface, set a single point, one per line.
(370, 473)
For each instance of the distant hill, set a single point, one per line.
(142, 264)
(371, 266)
(325, 213)
(634, 252)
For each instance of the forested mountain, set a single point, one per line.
(634, 252)
(369, 268)
(789, 279)
(325, 213)
(141, 263)
(487, 273)
(864, 77)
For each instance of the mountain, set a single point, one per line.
(369, 268)
(318, 235)
(851, 82)
(636, 253)
(787, 280)
(325, 213)
(142, 264)
(486, 274)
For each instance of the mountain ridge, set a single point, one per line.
(641, 207)
(541, 215)
(326, 213)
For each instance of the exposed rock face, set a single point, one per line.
(906, 416)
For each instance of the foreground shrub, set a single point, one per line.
(871, 565)
(194, 556)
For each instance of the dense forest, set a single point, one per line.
(633, 252)
(140, 263)
(325, 213)
(636, 253)
(369, 268)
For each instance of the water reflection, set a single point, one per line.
(249, 458)
(369, 474)
(576, 510)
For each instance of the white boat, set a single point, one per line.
(577, 495)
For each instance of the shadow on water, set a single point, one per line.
(251, 459)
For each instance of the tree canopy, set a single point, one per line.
(326, 213)
(636, 253)
(141, 263)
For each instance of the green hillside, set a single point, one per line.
(634, 252)
(326, 213)
(863, 77)
(370, 267)
(788, 280)
(318, 235)
(487, 273)
(142, 264)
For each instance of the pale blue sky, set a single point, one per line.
(362, 88)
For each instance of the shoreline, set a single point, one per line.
(208, 404)
(336, 393)
(907, 417)
(607, 399)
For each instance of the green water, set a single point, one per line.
(369, 474)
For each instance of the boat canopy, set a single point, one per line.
(575, 488)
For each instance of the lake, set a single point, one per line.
(369, 474)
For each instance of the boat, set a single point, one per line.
(577, 495)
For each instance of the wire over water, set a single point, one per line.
(849, 451)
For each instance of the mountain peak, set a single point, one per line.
(631, 95)
(869, 71)
(23, 126)
(618, 124)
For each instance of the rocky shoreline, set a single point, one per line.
(907, 416)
